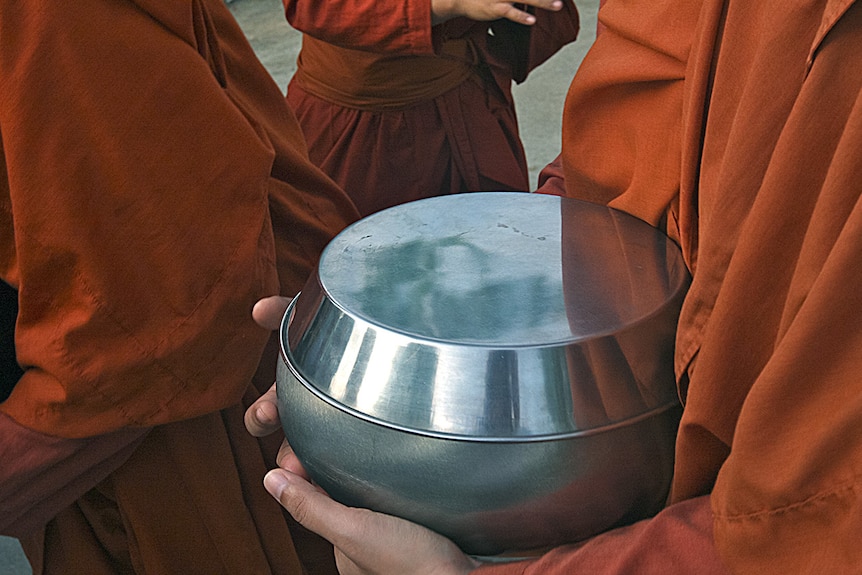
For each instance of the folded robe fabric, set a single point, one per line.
(736, 127)
(153, 186)
(399, 111)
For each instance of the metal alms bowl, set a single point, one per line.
(495, 366)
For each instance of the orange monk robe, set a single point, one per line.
(753, 164)
(394, 112)
(153, 186)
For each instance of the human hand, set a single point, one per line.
(365, 542)
(261, 418)
(486, 10)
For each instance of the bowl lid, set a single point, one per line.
(427, 302)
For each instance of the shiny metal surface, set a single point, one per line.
(482, 315)
(490, 497)
(496, 366)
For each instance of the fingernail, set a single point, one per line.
(261, 415)
(275, 483)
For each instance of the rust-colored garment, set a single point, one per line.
(737, 127)
(395, 113)
(154, 185)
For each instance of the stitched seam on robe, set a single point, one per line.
(848, 488)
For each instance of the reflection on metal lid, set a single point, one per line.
(501, 269)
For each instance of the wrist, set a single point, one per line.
(442, 10)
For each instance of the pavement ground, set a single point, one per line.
(539, 103)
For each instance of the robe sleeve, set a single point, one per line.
(606, 137)
(788, 498)
(788, 495)
(372, 25)
(138, 196)
(677, 540)
(137, 189)
(405, 28)
(154, 185)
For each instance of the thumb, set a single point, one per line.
(366, 541)
(311, 508)
(261, 418)
(268, 311)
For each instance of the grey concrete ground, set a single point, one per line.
(539, 102)
(12, 561)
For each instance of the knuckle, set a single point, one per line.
(299, 507)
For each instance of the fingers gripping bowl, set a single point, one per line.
(496, 366)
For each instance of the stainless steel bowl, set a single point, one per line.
(496, 366)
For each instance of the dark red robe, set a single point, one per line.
(395, 112)
(153, 186)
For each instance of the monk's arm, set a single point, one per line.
(377, 26)
(135, 227)
(397, 26)
(139, 195)
(488, 10)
